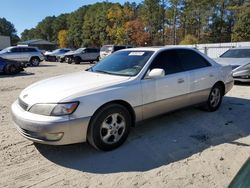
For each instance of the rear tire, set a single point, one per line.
(109, 127)
(215, 98)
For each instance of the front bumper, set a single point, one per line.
(48, 129)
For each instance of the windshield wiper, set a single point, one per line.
(101, 71)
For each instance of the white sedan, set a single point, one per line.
(100, 105)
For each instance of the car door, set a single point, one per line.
(91, 53)
(25, 54)
(202, 74)
(166, 93)
(14, 54)
(85, 55)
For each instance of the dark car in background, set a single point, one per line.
(10, 66)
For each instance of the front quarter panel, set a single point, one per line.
(129, 92)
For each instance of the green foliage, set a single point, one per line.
(95, 24)
(189, 39)
(152, 22)
(8, 29)
(241, 30)
(152, 15)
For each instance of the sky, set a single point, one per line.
(25, 14)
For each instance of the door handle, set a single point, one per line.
(180, 80)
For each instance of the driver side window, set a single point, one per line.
(168, 61)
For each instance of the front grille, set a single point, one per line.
(22, 104)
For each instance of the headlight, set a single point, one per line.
(60, 109)
(64, 109)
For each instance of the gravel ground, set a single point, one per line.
(187, 148)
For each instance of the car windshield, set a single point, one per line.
(107, 49)
(123, 63)
(4, 50)
(55, 51)
(239, 53)
(79, 50)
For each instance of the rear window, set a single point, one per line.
(191, 60)
(239, 53)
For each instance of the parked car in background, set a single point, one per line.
(106, 50)
(51, 56)
(100, 105)
(239, 59)
(62, 57)
(83, 55)
(26, 54)
(10, 66)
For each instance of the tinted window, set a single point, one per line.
(16, 50)
(116, 48)
(31, 50)
(239, 53)
(191, 60)
(168, 61)
(89, 50)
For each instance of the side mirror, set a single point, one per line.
(156, 73)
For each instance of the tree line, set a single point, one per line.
(151, 22)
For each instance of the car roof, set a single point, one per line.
(241, 47)
(22, 47)
(157, 48)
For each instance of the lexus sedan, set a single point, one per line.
(239, 59)
(99, 105)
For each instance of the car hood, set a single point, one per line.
(56, 89)
(47, 53)
(233, 61)
(70, 53)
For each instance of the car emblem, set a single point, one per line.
(26, 95)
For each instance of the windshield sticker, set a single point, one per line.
(136, 54)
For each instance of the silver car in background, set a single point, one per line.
(25, 54)
(52, 56)
(107, 50)
(239, 59)
(83, 55)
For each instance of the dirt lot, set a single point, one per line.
(187, 148)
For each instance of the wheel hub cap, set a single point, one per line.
(112, 128)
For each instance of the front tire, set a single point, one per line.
(215, 98)
(35, 61)
(109, 127)
(11, 69)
